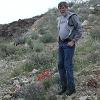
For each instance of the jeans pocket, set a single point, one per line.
(70, 46)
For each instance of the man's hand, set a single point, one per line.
(71, 43)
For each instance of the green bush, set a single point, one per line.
(41, 60)
(33, 92)
(19, 40)
(29, 42)
(38, 47)
(41, 31)
(47, 38)
(35, 45)
(83, 10)
(95, 33)
(97, 10)
(27, 67)
(82, 54)
(11, 52)
(92, 18)
(47, 83)
(18, 54)
(34, 35)
(6, 50)
(20, 51)
(81, 63)
(83, 16)
(93, 57)
(16, 72)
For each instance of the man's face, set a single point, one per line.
(63, 10)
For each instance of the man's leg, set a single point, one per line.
(68, 64)
(61, 69)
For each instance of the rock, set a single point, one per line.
(85, 23)
(26, 45)
(84, 98)
(91, 15)
(34, 71)
(7, 97)
(24, 80)
(91, 8)
(16, 82)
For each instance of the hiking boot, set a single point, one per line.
(62, 91)
(70, 92)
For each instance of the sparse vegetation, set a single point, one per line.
(40, 54)
(95, 33)
(19, 40)
(47, 38)
(38, 47)
(34, 35)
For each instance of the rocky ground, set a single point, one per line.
(87, 85)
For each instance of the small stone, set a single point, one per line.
(83, 98)
(6, 97)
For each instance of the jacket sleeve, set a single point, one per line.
(77, 27)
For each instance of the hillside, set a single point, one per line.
(28, 52)
(17, 28)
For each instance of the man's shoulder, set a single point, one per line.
(72, 14)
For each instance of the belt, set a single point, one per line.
(65, 40)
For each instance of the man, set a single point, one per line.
(70, 30)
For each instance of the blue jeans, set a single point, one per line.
(65, 65)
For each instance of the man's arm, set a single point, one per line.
(77, 27)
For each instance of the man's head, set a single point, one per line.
(63, 7)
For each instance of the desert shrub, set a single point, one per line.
(83, 16)
(80, 63)
(92, 18)
(27, 67)
(97, 10)
(47, 38)
(20, 51)
(41, 60)
(6, 50)
(18, 54)
(11, 52)
(81, 55)
(13, 57)
(47, 83)
(19, 40)
(83, 10)
(51, 96)
(16, 72)
(29, 42)
(93, 57)
(35, 45)
(34, 35)
(95, 33)
(38, 47)
(33, 91)
(41, 31)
